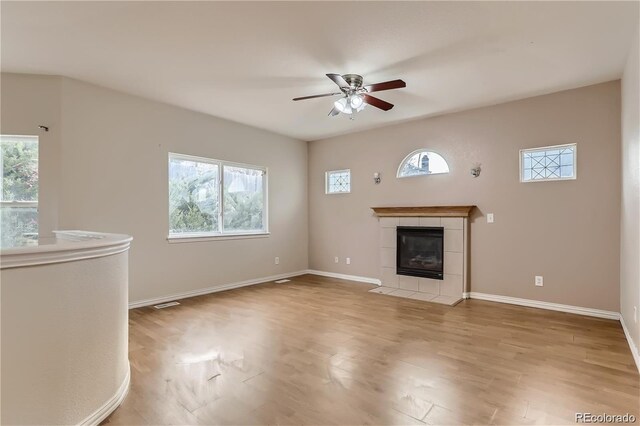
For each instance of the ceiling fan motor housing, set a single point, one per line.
(354, 80)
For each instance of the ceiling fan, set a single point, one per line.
(355, 95)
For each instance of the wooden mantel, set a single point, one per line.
(441, 211)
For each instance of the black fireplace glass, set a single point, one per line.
(420, 251)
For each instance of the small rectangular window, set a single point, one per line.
(19, 195)
(338, 182)
(215, 198)
(548, 163)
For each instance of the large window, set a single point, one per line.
(215, 198)
(548, 163)
(19, 195)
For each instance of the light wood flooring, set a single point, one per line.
(324, 351)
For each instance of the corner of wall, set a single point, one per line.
(630, 199)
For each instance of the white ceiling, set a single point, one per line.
(246, 61)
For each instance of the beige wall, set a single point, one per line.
(26, 102)
(567, 231)
(113, 178)
(106, 154)
(630, 215)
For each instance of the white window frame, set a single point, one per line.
(417, 151)
(549, 148)
(221, 234)
(326, 181)
(24, 204)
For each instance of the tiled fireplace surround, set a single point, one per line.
(455, 222)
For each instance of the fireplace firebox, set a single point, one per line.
(420, 251)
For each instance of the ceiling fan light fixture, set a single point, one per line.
(356, 101)
(343, 106)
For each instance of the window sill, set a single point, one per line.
(548, 179)
(196, 238)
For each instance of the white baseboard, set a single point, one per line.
(632, 346)
(110, 406)
(546, 305)
(208, 290)
(345, 276)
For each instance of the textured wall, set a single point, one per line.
(566, 231)
(111, 160)
(64, 339)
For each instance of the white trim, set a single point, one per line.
(196, 158)
(196, 238)
(263, 280)
(466, 295)
(632, 346)
(208, 290)
(111, 404)
(547, 148)
(69, 246)
(19, 204)
(546, 305)
(345, 276)
(20, 137)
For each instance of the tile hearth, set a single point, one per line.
(425, 297)
(454, 221)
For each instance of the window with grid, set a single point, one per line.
(338, 182)
(215, 198)
(548, 163)
(19, 195)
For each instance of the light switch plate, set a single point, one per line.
(489, 217)
(539, 281)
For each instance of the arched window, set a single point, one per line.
(422, 162)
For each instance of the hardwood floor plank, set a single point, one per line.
(319, 350)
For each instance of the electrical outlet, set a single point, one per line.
(348, 261)
(635, 314)
(335, 259)
(277, 261)
(539, 281)
(489, 217)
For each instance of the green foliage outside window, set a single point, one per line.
(19, 164)
(243, 211)
(19, 170)
(194, 197)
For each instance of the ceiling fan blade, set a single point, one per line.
(317, 96)
(378, 103)
(333, 112)
(387, 85)
(337, 79)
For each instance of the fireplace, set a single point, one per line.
(419, 251)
